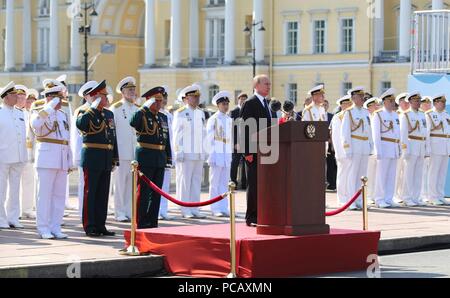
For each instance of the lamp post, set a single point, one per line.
(86, 30)
(249, 30)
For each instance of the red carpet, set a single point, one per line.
(204, 251)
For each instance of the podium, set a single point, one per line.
(291, 191)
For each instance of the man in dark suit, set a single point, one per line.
(238, 162)
(255, 108)
(331, 160)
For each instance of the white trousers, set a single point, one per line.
(189, 178)
(10, 175)
(357, 170)
(385, 180)
(123, 183)
(399, 178)
(412, 178)
(163, 208)
(437, 175)
(424, 193)
(219, 177)
(80, 190)
(371, 175)
(343, 167)
(27, 189)
(50, 200)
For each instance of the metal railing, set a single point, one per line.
(431, 42)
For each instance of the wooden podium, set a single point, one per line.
(291, 192)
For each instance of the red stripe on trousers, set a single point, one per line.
(85, 198)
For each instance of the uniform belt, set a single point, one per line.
(417, 138)
(391, 140)
(360, 138)
(152, 146)
(433, 135)
(98, 146)
(51, 141)
(226, 141)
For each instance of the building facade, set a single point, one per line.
(341, 44)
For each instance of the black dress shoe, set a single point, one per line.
(93, 234)
(251, 224)
(107, 233)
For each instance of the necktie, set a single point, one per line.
(266, 106)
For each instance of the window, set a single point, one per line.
(292, 92)
(43, 42)
(319, 37)
(44, 8)
(347, 35)
(216, 2)
(236, 94)
(292, 38)
(346, 86)
(216, 41)
(213, 90)
(385, 85)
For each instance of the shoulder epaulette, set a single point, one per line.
(18, 109)
(117, 105)
(136, 105)
(309, 107)
(38, 104)
(181, 109)
(428, 112)
(377, 111)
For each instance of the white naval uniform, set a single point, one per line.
(413, 131)
(371, 172)
(27, 185)
(438, 128)
(163, 208)
(126, 142)
(399, 174)
(356, 140)
(189, 130)
(13, 154)
(53, 162)
(342, 161)
(314, 113)
(76, 144)
(219, 140)
(386, 138)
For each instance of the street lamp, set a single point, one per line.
(89, 10)
(248, 30)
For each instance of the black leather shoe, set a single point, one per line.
(107, 233)
(251, 224)
(93, 234)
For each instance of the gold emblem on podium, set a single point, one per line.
(310, 131)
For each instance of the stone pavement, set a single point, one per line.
(24, 255)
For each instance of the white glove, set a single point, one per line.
(96, 103)
(149, 103)
(55, 101)
(49, 108)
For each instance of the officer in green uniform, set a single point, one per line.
(99, 157)
(153, 153)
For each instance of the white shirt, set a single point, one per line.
(314, 113)
(189, 133)
(126, 135)
(413, 127)
(438, 124)
(356, 132)
(12, 135)
(220, 141)
(386, 127)
(336, 125)
(56, 126)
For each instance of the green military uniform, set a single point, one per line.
(153, 154)
(98, 157)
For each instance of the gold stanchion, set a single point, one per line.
(365, 205)
(232, 188)
(132, 250)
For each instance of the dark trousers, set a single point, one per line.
(95, 204)
(252, 191)
(149, 201)
(237, 163)
(331, 171)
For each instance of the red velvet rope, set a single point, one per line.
(175, 201)
(345, 207)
